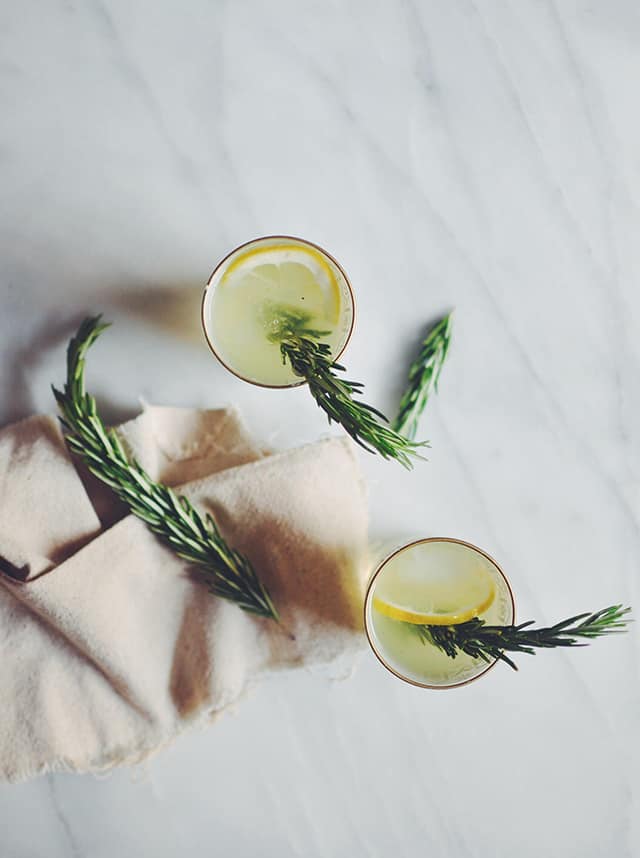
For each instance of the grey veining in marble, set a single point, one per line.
(476, 153)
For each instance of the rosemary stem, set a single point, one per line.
(478, 640)
(172, 517)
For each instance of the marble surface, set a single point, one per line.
(475, 154)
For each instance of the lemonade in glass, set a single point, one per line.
(433, 582)
(262, 286)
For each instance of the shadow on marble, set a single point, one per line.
(24, 361)
(172, 308)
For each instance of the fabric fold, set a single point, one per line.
(45, 514)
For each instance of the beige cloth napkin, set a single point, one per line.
(108, 648)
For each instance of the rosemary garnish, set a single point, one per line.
(424, 374)
(479, 640)
(311, 360)
(172, 517)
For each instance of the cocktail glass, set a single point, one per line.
(445, 581)
(259, 283)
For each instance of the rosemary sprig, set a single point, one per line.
(172, 517)
(312, 361)
(489, 642)
(424, 374)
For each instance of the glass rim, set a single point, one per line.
(241, 247)
(368, 593)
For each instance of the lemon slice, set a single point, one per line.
(293, 274)
(435, 596)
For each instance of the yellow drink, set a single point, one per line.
(255, 286)
(433, 582)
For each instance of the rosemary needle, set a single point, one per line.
(424, 374)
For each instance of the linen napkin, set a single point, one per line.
(109, 647)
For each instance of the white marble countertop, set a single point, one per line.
(476, 154)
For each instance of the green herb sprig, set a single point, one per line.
(479, 640)
(424, 374)
(172, 517)
(311, 359)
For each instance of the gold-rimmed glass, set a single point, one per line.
(341, 332)
(400, 649)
